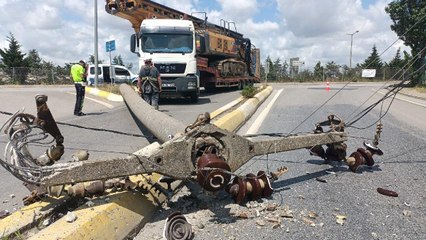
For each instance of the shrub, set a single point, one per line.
(249, 91)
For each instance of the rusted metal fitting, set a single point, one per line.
(213, 172)
(363, 157)
(177, 227)
(202, 119)
(33, 197)
(336, 151)
(51, 155)
(251, 186)
(46, 121)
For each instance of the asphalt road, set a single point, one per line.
(314, 205)
(107, 131)
(369, 215)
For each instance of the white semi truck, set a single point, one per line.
(188, 51)
(171, 46)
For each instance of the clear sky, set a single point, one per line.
(313, 30)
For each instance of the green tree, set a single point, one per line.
(318, 71)
(409, 23)
(92, 60)
(13, 59)
(117, 60)
(13, 56)
(332, 70)
(33, 59)
(373, 61)
(397, 61)
(271, 75)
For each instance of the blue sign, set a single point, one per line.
(110, 46)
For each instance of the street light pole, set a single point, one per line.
(96, 42)
(350, 54)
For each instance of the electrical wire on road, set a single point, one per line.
(89, 128)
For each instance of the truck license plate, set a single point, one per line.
(168, 84)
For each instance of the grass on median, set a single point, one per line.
(421, 89)
(110, 88)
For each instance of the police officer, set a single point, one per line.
(149, 83)
(77, 74)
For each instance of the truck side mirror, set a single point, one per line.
(134, 44)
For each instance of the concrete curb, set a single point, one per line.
(28, 216)
(104, 94)
(233, 120)
(126, 211)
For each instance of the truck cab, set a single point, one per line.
(120, 74)
(170, 43)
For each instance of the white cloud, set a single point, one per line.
(238, 10)
(63, 31)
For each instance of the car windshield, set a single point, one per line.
(167, 43)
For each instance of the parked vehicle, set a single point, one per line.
(189, 52)
(120, 74)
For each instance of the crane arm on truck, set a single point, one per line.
(137, 10)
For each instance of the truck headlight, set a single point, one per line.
(192, 85)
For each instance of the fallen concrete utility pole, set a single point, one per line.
(161, 125)
(202, 151)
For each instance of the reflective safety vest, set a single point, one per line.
(77, 72)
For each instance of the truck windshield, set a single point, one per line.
(167, 43)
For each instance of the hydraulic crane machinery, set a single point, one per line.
(188, 51)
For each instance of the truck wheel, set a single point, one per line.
(194, 98)
(240, 85)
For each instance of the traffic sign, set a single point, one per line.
(110, 46)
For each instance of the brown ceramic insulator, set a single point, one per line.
(387, 192)
(267, 187)
(76, 190)
(238, 190)
(215, 179)
(369, 161)
(359, 160)
(242, 193)
(232, 189)
(177, 227)
(95, 187)
(256, 190)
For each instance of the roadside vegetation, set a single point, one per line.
(408, 23)
(249, 91)
(110, 88)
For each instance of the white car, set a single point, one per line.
(117, 74)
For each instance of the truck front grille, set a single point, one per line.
(170, 68)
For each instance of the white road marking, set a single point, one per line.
(259, 120)
(404, 99)
(95, 100)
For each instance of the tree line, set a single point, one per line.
(284, 71)
(408, 22)
(18, 65)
